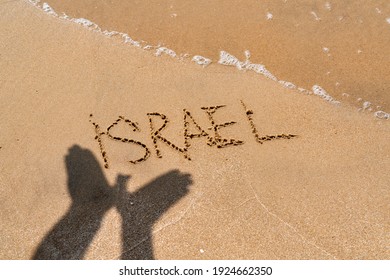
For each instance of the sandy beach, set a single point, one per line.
(108, 151)
(343, 46)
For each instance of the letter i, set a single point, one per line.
(99, 139)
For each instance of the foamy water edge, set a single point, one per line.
(225, 58)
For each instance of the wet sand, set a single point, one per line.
(341, 46)
(320, 193)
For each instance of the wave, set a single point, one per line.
(225, 58)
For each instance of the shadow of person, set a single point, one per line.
(91, 197)
(140, 210)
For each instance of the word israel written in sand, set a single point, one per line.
(213, 138)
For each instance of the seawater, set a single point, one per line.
(225, 58)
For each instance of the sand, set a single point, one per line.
(342, 46)
(320, 193)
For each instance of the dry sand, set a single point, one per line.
(321, 195)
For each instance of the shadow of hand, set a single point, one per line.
(140, 210)
(87, 184)
(92, 197)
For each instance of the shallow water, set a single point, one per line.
(342, 47)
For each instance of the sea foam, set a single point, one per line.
(226, 58)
